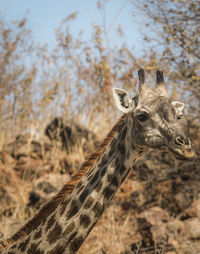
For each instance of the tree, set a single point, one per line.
(176, 24)
(16, 76)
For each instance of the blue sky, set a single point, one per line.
(44, 16)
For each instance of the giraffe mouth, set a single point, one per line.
(184, 153)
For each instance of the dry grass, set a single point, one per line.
(74, 80)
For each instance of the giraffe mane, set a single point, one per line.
(51, 205)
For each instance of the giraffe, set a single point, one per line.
(150, 120)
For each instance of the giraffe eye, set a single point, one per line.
(142, 117)
(180, 116)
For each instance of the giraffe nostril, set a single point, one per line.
(188, 142)
(180, 141)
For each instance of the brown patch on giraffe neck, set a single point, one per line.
(54, 234)
(50, 207)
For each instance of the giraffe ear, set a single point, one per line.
(122, 100)
(179, 106)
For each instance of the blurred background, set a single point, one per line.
(58, 63)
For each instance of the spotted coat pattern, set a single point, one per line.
(67, 227)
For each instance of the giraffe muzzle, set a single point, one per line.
(183, 149)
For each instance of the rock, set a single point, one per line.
(176, 228)
(46, 187)
(33, 198)
(192, 211)
(70, 134)
(182, 201)
(154, 215)
(193, 227)
(28, 168)
(196, 206)
(24, 146)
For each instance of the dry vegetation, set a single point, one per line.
(55, 108)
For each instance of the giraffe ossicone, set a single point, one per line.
(150, 120)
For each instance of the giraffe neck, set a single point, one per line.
(52, 204)
(73, 219)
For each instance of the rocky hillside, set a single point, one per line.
(156, 210)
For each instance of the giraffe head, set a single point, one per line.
(155, 118)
